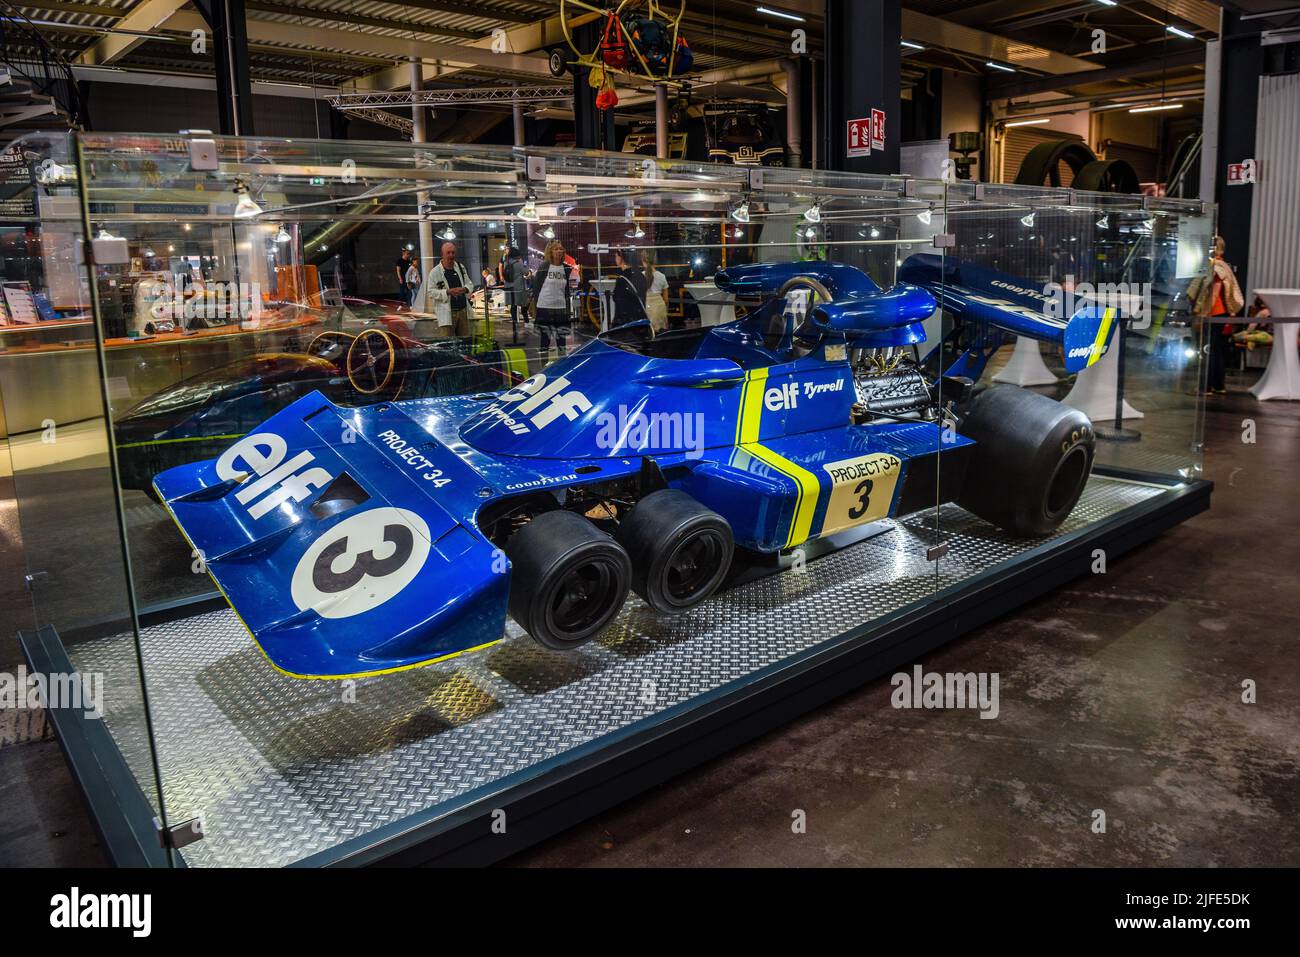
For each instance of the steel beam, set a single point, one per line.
(143, 18)
(1137, 66)
(526, 38)
(228, 19)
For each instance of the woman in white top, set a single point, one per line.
(656, 294)
(551, 300)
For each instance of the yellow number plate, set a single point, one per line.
(861, 490)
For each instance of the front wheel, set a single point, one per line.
(680, 550)
(1032, 459)
(568, 579)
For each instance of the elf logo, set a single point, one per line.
(782, 397)
(542, 402)
(76, 910)
(277, 481)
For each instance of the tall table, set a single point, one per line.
(1281, 378)
(716, 305)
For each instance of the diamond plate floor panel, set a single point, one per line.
(280, 768)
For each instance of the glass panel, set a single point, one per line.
(58, 435)
(649, 327)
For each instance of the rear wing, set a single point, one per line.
(978, 294)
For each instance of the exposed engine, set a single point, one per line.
(890, 383)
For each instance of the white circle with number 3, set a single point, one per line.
(361, 562)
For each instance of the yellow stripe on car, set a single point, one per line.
(1099, 346)
(748, 430)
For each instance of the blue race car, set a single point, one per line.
(358, 541)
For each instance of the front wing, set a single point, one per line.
(344, 540)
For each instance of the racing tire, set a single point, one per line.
(1031, 460)
(557, 62)
(568, 579)
(680, 550)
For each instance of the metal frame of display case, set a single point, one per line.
(610, 771)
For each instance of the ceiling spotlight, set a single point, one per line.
(171, 249)
(245, 207)
(528, 211)
(283, 235)
(998, 66)
(810, 233)
(149, 253)
(1027, 220)
(186, 226)
(780, 13)
(925, 214)
(548, 232)
(813, 213)
(740, 211)
(875, 233)
(635, 233)
(447, 233)
(738, 232)
(1176, 31)
(1104, 222)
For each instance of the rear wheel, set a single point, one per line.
(1032, 459)
(567, 580)
(680, 550)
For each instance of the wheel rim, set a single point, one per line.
(582, 599)
(370, 362)
(692, 566)
(1067, 481)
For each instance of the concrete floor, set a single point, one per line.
(1120, 692)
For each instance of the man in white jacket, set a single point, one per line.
(448, 287)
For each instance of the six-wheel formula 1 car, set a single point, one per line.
(357, 541)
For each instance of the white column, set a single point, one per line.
(428, 255)
(661, 120)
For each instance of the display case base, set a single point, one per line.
(419, 766)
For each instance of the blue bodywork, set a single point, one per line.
(349, 540)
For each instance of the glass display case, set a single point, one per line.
(910, 405)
